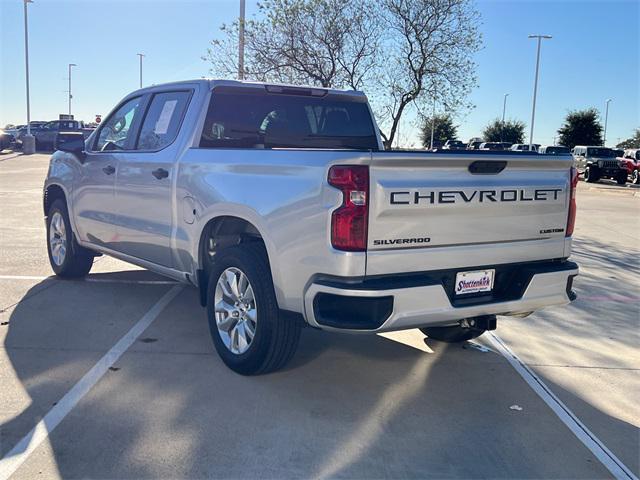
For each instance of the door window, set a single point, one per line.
(162, 121)
(116, 132)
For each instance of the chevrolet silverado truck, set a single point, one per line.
(280, 205)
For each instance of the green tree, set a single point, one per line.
(443, 130)
(581, 127)
(632, 142)
(508, 131)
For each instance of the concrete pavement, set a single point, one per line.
(346, 407)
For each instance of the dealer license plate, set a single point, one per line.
(474, 282)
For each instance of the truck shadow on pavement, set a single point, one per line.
(348, 406)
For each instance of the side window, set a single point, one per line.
(162, 121)
(115, 133)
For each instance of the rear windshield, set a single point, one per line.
(600, 152)
(265, 120)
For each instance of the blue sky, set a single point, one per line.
(594, 55)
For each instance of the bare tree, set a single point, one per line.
(405, 54)
(329, 43)
(431, 44)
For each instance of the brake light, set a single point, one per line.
(571, 221)
(349, 222)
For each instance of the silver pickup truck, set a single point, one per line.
(281, 206)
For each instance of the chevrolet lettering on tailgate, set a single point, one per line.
(418, 197)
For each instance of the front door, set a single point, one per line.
(94, 189)
(144, 193)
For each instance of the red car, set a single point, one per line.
(631, 161)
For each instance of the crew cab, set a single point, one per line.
(281, 206)
(595, 163)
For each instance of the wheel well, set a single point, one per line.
(51, 194)
(218, 234)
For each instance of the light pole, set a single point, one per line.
(504, 110)
(28, 142)
(606, 119)
(535, 87)
(241, 41)
(70, 96)
(504, 106)
(433, 123)
(140, 55)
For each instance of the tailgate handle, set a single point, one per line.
(486, 167)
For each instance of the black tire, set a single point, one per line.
(452, 334)
(622, 178)
(591, 174)
(276, 337)
(77, 260)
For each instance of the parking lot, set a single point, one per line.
(115, 376)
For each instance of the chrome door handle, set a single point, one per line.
(160, 173)
(109, 169)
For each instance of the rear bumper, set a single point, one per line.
(398, 302)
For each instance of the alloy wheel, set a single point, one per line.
(57, 239)
(236, 312)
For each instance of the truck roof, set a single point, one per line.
(213, 82)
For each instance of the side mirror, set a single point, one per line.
(71, 142)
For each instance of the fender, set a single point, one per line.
(244, 213)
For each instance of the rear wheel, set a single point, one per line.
(249, 332)
(67, 258)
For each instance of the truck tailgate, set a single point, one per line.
(430, 211)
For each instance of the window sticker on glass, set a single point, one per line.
(162, 125)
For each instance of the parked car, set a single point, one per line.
(525, 147)
(631, 161)
(22, 130)
(281, 205)
(453, 145)
(474, 145)
(595, 162)
(46, 135)
(7, 140)
(554, 150)
(498, 146)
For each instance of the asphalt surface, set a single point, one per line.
(393, 406)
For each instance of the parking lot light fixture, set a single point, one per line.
(70, 96)
(28, 142)
(535, 87)
(140, 55)
(606, 119)
(504, 106)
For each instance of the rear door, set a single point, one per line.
(144, 198)
(436, 211)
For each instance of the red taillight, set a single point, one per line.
(571, 221)
(349, 221)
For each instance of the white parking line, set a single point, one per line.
(618, 469)
(91, 279)
(18, 454)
